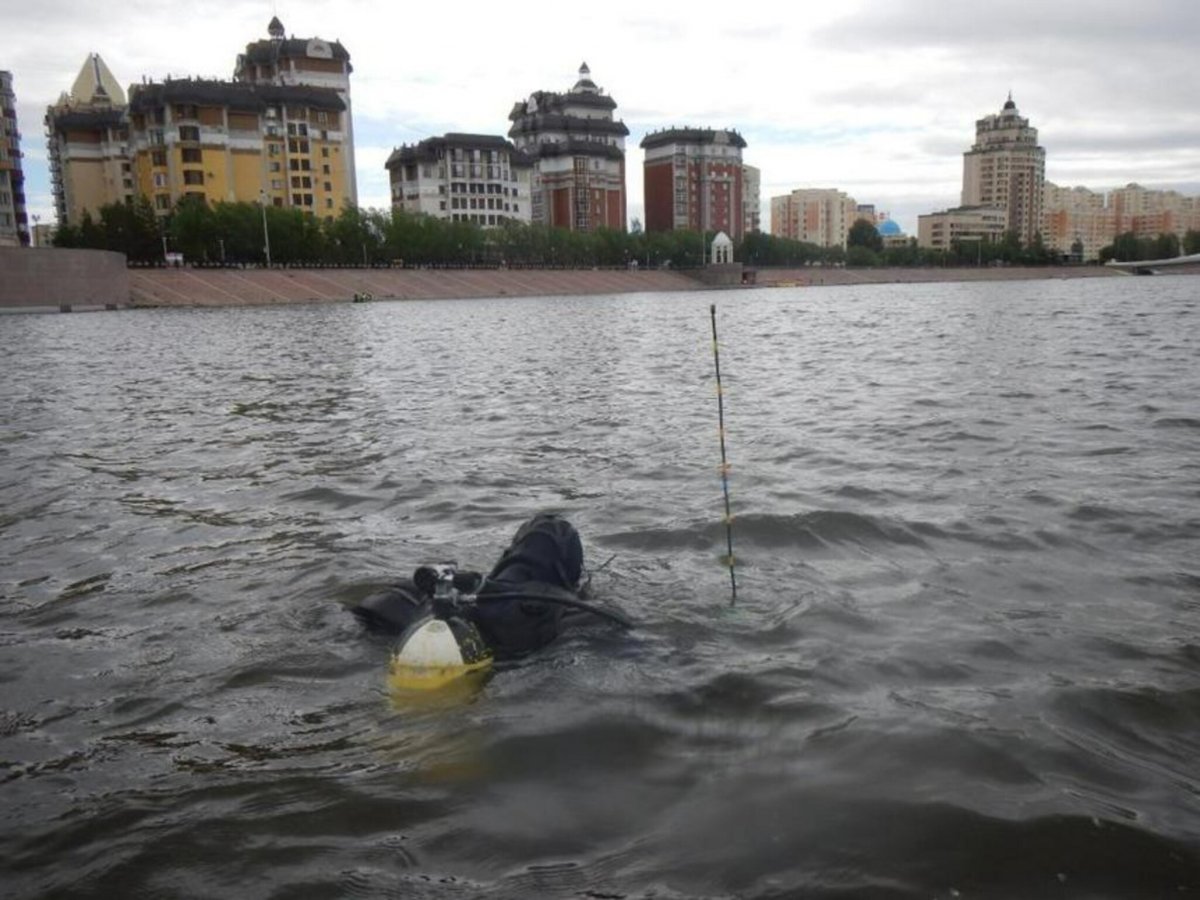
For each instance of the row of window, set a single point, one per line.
(471, 187)
(478, 218)
(492, 203)
(162, 202)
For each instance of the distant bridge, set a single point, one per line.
(1152, 266)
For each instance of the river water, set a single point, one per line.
(963, 661)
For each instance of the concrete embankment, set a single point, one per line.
(53, 279)
(233, 287)
(37, 278)
(811, 276)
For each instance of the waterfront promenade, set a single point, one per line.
(188, 287)
(256, 287)
(245, 287)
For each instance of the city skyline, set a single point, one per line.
(877, 102)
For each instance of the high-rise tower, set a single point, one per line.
(14, 227)
(87, 136)
(693, 181)
(1006, 169)
(306, 61)
(579, 156)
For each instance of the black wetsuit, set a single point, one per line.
(522, 603)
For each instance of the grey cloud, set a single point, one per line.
(936, 24)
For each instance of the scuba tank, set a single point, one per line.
(441, 645)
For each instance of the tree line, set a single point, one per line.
(1128, 247)
(233, 234)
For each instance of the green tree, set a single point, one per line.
(864, 234)
(1166, 245)
(193, 230)
(1191, 242)
(861, 257)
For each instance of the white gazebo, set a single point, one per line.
(722, 250)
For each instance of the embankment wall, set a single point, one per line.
(47, 276)
(249, 287)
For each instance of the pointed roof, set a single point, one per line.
(96, 84)
(585, 85)
(1008, 104)
(275, 28)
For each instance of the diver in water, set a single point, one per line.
(452, 622)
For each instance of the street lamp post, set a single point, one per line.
(262, 196)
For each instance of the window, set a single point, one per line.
(189, 133)
(329, 203)
(191, 154)
(193, 176)
(160, 179)
(277, 184)
(325, 169)
(162, 201)
(275, 166)
(328, 186)
(158, 157)
(325, 152)
(156, 137)
(308, 199)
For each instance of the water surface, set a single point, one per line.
(963, 661)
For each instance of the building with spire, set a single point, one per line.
(578, 152)
(313, 62)
(87, 139)
(14, 224)
(1005, 169)
(694, 181)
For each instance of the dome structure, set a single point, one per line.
(889, 228)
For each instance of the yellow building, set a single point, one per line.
(234, 141)
(87, 137)
(942, 230)
(304, 61)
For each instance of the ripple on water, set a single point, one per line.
(961, 661)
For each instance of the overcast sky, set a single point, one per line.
(878, 99)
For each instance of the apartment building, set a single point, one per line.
(940, 230)
(1095, 219)
(1077, 216)
(237, 141)
(1006, 169)
(693, 181)
(87, 138)
(313, 62)
(578, 153)
(751, 199)
(478, 178)
(820, 216)
(14, 224)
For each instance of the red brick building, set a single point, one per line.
(694, 181)
(578, 148)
